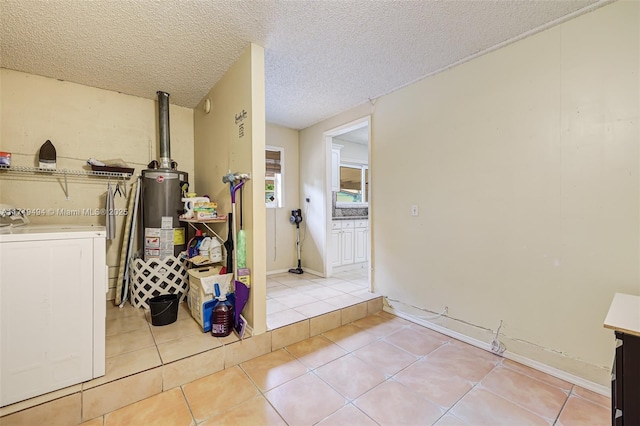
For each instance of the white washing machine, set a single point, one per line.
(52, 308)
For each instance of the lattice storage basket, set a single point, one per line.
(155, 277)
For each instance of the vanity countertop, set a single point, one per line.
(624, 314)
(350, 218)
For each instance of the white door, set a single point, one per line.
(46, 296)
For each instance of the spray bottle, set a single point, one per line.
(193, 247)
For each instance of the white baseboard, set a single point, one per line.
(351, 267)
(563, 375)
(552, 371)
(311, 271)
(277, 271)
(281, 271)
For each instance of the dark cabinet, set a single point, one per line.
(625, 380)
(624, 319)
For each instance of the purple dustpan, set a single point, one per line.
(242, 297)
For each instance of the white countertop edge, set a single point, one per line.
(624, 314)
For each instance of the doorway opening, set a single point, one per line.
(348, 198)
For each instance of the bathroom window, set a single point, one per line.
(354, 185)
(274, 177)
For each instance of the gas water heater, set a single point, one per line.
(161, 196)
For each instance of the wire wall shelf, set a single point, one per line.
(65, 173)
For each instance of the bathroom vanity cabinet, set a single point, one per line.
(349, 242)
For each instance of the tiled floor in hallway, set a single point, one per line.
(292, 298)
(378, 370)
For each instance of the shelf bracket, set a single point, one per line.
(208, 229)
(66, 187)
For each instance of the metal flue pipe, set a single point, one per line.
(163, 126)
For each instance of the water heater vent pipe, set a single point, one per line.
(163, 126)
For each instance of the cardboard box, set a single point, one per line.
(198, 295)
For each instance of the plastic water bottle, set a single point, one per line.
(221, 315)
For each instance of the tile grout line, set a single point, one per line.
(313, 370)
(564, 405)
(193, 417)
(608, 407)
(513, 402)
(348, 401)
(474, 385)
(263, 393)
(567, 393)
(502, 364)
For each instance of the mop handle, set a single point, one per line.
(234, 189)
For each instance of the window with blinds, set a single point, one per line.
(274, 170)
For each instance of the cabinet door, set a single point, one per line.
(336, 248)
(630, 378)
(46, 303)
(360, 254)
(347, 246)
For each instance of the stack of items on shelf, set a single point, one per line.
(205, 210)
(199, 208)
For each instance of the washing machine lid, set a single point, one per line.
(49, 232)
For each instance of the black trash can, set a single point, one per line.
(164, 309)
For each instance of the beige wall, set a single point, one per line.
(525, 166)
(281, 235)
(81, 122)
(524, 163)
(219, 148)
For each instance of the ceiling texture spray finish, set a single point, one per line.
(321, 57)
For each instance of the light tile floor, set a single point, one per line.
(292, 298)
(377, 370)
(134, 345)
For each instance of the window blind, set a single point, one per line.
(272, 160)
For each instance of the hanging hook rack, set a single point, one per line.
(124, 187)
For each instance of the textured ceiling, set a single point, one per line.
(321, 57)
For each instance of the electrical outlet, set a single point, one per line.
(414, 210)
